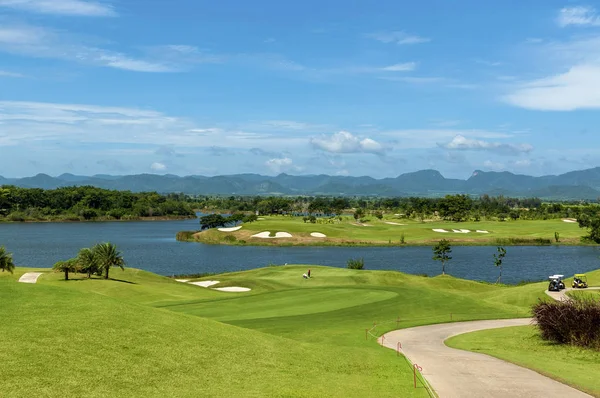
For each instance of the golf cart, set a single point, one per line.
(559, 282)
(580, 281)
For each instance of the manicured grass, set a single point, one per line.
(523, 346)
(378, 232)
(146, 335)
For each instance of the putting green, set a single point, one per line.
(285, 303)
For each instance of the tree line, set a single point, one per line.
(88, 203)
(450, 207)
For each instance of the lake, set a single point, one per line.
(151, 245)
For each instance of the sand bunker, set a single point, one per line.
(232, 289)
(393, 223)
(182, 280)
(204, 283)
(230, 229)
(265, 235)
(440, 230)
(461, 231)
(482, 231)
(318, 235)
(260, 218)
(569, 220)
(30, 277)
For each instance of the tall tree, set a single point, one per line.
(66, 267)
(441, 252)
(6, 261)
(108, 256)
(498, 260)
(88, 262)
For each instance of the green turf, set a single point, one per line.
(523, 346)
(147, 335)
(378, 232)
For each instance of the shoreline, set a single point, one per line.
(148, 219)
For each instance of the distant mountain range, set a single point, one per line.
(583, 184)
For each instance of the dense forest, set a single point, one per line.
(451, 207)
(89, 203)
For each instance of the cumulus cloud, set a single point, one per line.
(465, 144)
(156, 166)
(578, 15)
(578, 88)
(345, 142)
(279, 164)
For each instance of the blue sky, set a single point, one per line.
(341, 88)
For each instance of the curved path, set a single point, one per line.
(562, 295)
(458, 373)
(30, 277)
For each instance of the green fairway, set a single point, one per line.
(388, 232)
(146, 335)
(523, 346)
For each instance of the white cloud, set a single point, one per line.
(345, 142)
(460, 142)
(578, 15)
(496, 166)
(398, 37)
(279, 164)
(403, 67)
(156, 166)
(4, 73)
(62, 7)
(578, 88)
(40, 42)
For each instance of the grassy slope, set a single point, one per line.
(147, 335)
(378, 232)
(58, 339)
(522, 345)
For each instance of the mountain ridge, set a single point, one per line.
(573, 185)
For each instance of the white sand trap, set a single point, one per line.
(204, 283)
(465, 231)
(30, 277)
(569, 220)
(459, 231)
(393, 223)
(230, 229)
(265, 235)
(482, 231)
(232, 289)
(318, 235)
(260, 219)
(440, 230)
(182, 280)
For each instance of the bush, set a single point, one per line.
(356, 263)
(523, 241)
(574, 321)
(185, 235)
(230, 238)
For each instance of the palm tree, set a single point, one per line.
(6, 261)
(108, 256)
(67, 266)
(88, 262)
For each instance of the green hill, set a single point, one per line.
(147, 335)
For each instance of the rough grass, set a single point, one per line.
(377, 232)
(522, 345)
(146, 335)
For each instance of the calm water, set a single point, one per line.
(152, 246)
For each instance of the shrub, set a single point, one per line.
(402, 240)
(574, 321)
(230, 238)
(185, 235)
(356, 263)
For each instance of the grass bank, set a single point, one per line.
(393, 232)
